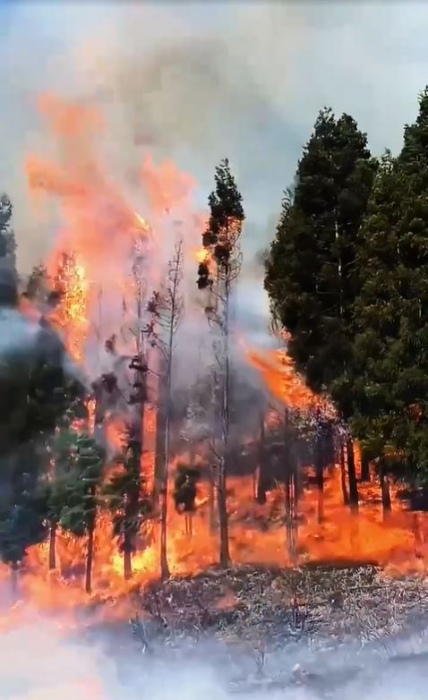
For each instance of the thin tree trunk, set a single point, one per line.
(289, 487)
(319, 471)
(160, 436)
(52, 545)
(289, 516)
(222, 466)
(127, 562)
(222, 512)
(173, 319)
(261, 482)
(343, 476)
(89, 559)
(418, 540)
(352, 476)
(165, 573)
(211, 502)
(14, 581)
(384, 487)
(365, 467)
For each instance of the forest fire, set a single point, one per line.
(106, 263)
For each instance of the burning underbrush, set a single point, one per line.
(315, 632)
(151, 504)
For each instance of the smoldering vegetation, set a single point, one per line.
(44, 659)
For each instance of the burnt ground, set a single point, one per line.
(269, 628)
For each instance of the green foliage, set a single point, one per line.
(185, 488)
(126, 496)
(7, 237)
(311, 276)
(77, 484)
(224, 225)
(22, 504)
(391, 311)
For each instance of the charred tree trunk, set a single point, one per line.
(352, 476)
(289, 486)
(14, 581)
(261, 481)
(89, 558)
(418, 539)
(329, 451)
(384, 487)
(222, 512)
(343, 476)
(225, 424)
(52, 545)
(365, 467)
(211, 500)
(319, 476)
(133, 463)
(160, 435)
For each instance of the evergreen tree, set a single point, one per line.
(185, 492)
(391, 317)
(79, 492)
(7, 236)
(35, 392)
(166, 310)
(217, 273)
(128, 501)
(311, 275)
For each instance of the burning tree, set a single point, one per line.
(166, 309)
(389, 387)
(80, 495)
(185, 492)
(7, 236)
(218, 270)
(311, 273)
(36, 391)
(126, 491)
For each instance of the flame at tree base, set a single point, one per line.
(257, 536)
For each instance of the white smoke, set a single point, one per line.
(197, 83)
(44, 659)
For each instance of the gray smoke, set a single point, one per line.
(197, 82)
(45, 660)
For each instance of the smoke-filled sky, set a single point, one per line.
(200, 81)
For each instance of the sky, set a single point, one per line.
(202, 81)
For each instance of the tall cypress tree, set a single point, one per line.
(391, 311)
(311, 275)
(7, 236)
(221, 241)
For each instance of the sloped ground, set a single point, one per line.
(268, 606)
(321, 631)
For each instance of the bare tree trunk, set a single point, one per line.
(222, 512)
(211, 501)
(89, 559)
(352, 476)
(384, 487)
(261, 482)
(418, 539)
(365, 467)
(288, 514)
(174, 309)
(224, 458)
(14, 581)
(52, 545)
(160, 434)
(319, 472)
(289, 486)
(343, 476)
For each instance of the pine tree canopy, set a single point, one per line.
(310, 273)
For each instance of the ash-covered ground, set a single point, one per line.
(349, 633)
